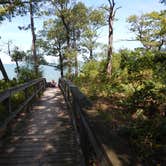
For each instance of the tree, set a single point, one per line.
(150, 29)
(12, 8)
(74, 19)
(32, 7)
(8, 8)
(163, 1)
(62, 9)
(96, 19)
(17, 56)
(112, 9)
(52, 41)
(78, 25)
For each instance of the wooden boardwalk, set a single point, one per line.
(44, 136)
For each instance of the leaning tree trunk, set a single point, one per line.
(2, 69)
(33, 39)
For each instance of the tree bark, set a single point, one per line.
(17, 67)
(160, 45)
(110, 46)
(76, 66)
(33, 38)
(91, 54)
(75, 58)
(61, 65)
(68, 42)
(60, 60)
(112, 11)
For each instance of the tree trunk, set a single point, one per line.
(33, 39)
(61, 65)
(110, 46)
(17, 67)
(68, 42)
(75, 58)
(68, 49)
(76, 66)
(60, 60)
(160, 45)
(91, 54)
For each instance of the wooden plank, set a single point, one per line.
(7, 95)
(4, 95)
(51, 143)
(79, 102)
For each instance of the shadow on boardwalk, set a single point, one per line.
(44, 136)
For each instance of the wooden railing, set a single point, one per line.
(2, 69)
(77, 102)
(29, 91)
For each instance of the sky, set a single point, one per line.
(9, 30)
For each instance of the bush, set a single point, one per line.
(17, 99)
(27, 74)
(148, 139)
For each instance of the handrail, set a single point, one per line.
(77, 102)
(39, 86)
(8, 92)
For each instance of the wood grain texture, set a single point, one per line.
(43, 137)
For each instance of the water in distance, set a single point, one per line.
(48, 72)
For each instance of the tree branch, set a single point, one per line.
(116, 9)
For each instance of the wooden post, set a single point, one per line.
(10, 104)
(26, 97)
(3, 71)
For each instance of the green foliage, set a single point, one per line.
(160, 66)
(27, 74)
(149, 97)
(17, 55)
(17, 99)
(73, 29)
(93, 80)
(96, 19)
(148, 139)
(88, 76)
(150, 29)
(5, 85)
(137, 85)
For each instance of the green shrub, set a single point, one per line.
(17, 99)
(27, 74)
(148, 138)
